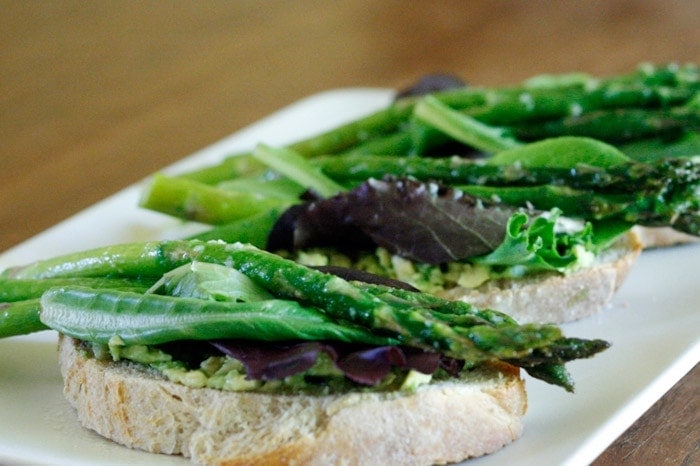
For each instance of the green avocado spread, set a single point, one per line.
(225, 373)
(425, 277)
(430, 278)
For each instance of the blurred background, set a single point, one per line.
(97, 95)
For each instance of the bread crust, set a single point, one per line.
(662, 237)
(553, 297)
(440, 423)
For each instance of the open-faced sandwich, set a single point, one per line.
(232, 355)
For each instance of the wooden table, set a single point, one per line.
(97, 95)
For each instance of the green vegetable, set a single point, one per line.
(133, 319)
(296, 168)
(21, 289)
(341, 300)
(19, 299)
(98, 315)
(562, 153)
(188, 199)
(267, 186)
(456, 312)
(149, 260)
(648, 150)
(20, 318)
(253, 229)
(575, 203)
(537, 247)
(580, 163)
(209, 281)
(462, 127)
(616, 126)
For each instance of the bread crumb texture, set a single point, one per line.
(440, 423)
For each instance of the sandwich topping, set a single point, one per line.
(430, 236)
(309, 367)
(212, 291)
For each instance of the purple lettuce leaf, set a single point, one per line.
(431, 83)
(421, 221)
(366, 365)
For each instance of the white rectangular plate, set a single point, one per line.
(653, 325)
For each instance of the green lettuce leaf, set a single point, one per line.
(213, 282)
(538, 245)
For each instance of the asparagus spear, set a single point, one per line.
(234, 202)
(12, 290)
(647, 150)
(253, 230)
(441, 308)
(20, 318)
(282, 277)
(551, 368)
(191, 200)
(618, 126)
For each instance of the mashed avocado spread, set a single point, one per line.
(226, 373)
(430, 278)
(425, 277)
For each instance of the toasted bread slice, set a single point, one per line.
(441, 422)
(553, 297)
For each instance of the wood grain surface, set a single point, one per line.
(97, 95)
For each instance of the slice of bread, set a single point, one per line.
(439, 423)
(553, 297)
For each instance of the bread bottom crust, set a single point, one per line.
(440, 423)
